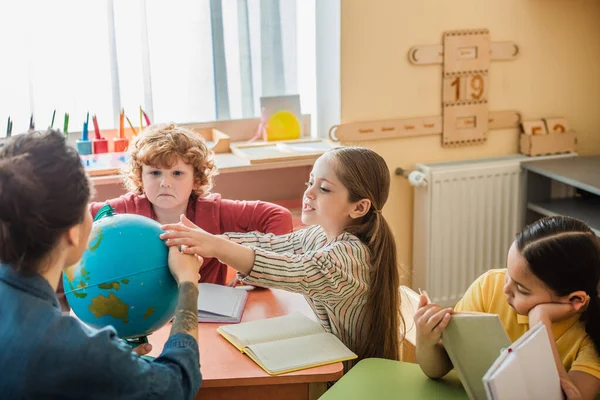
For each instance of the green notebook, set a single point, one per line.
(473, 342)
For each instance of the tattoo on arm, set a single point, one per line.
(186, 313)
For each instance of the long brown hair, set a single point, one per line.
(366, 176)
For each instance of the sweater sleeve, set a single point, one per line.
(332, 273)
(260, 216)
(292, 242)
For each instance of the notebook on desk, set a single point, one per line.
(285, 344)
(221, 304)
(526, 370)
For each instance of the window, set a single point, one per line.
(182, 60)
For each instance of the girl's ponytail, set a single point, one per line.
(383, 304)
(366, 176)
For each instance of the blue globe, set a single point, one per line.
(123, 278)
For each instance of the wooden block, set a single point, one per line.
(504, 119)
(557, 125)
(411, 127)
(552, 143)
(465, 124)
(386, 129)
(466, 51)
(216, 140)
(434, 54)
(465, 88)
(534, 128)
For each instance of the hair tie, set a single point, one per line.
(377, 211)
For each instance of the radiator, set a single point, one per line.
(466, 215)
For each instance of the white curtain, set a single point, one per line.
(181, 60)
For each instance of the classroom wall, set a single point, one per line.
(556, 74)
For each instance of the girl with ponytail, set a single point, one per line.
(344, 262)
(552, 276)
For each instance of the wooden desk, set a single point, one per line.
(375, 378)
(229, 374)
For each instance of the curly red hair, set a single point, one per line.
(160, 146)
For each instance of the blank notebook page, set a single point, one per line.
(271, 329)
(220, 300)
(300, 352)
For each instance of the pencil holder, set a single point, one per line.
(84, 147)
(121, 144)
(100, 145)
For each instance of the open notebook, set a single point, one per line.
(409, 304)
(285, 344)
(526, 370)
(223, 304)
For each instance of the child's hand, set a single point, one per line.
(184, 267)
(234, 282)
(431, 320)
(193, 239)
(549, 313)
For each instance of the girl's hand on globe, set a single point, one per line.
(184, 267)
(194, 240)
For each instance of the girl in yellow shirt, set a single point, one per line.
(552, 276)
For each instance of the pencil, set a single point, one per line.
(141, 119)
(84, 132)
(122, 124)
(53, 115)
(147, 118)
(66, 124)
(31, 123)
(8, 127)
(131, 126)
(96, 128)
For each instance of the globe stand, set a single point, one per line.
(138, 341)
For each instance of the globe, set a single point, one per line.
(123, 277)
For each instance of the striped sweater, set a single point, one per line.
(334, 277)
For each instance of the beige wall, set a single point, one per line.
(557, 74)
